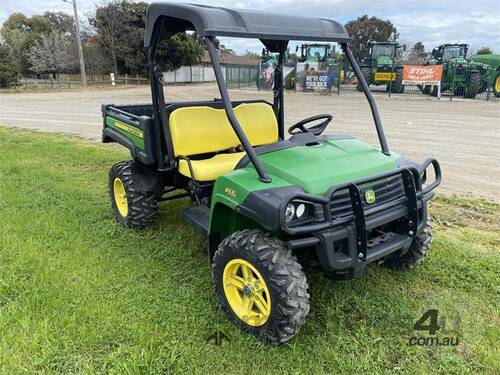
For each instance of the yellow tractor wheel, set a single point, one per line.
(496, 86)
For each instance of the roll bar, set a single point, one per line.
(369, 97)
(228, 107)
(166, 160)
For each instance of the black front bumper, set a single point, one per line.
(347, 244)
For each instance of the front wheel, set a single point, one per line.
(260, 285)
(397, 86)
(474, 86)
(367, 74)
(418, 251)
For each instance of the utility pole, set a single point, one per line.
(79, 42)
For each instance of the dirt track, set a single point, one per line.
(463, 135)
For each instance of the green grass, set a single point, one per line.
(81, 294)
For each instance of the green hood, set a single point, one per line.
(318, 167)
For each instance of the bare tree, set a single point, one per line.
(49, 54)
(110, 23)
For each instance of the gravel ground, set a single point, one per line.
(464, 135)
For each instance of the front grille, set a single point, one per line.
(386, 190)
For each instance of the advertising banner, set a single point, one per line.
(312, 77)
(422, 74)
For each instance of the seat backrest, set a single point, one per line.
(202, 129)
(258, 122)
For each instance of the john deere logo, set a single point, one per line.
(370, 196)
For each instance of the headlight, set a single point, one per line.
(289, 212)
(299, 211)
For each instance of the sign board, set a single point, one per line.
(316, 77)
(422, 74)
(318, 82)
(385, 76)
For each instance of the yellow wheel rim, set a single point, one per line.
(497, 84)
(120, 197)
(246, 292)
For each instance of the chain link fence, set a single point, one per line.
(242, 76)
(339, 78)
(456, 82)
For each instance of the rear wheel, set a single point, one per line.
(367, 74)
(418, 251)
(261, 285)
(496, 86)
(474, 85)
(133, 208)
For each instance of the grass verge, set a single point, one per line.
(79, 293)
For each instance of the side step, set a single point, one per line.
(197, 216)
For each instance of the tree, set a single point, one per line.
(180, 50)
(119, 29)
(223, 49)
(133, 54)
(96, 62)
(484, 51)
(252, 54)
(49, 54)
(19, 33)
(110, 23)
(62, 23)
(364, 30)
(7, 73)
(417, 54)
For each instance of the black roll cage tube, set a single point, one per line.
(162, 134)
(369, 97)
(228, 107)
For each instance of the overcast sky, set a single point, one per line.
(431, 21)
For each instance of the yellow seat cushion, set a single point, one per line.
(210, 169)
(203, 130)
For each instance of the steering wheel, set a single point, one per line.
(316, 129)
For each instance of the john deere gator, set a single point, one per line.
(270, 205)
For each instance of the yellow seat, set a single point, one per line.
(210, 169)
(204, 130)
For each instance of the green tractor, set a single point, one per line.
(384, 66)
(314, 53)
(461, 76)
(272, 207)
(493, 78)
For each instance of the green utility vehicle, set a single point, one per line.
(271, 208)
(493, 78)
(460, 76)
(383, 66)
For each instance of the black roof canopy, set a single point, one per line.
(217, 21)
